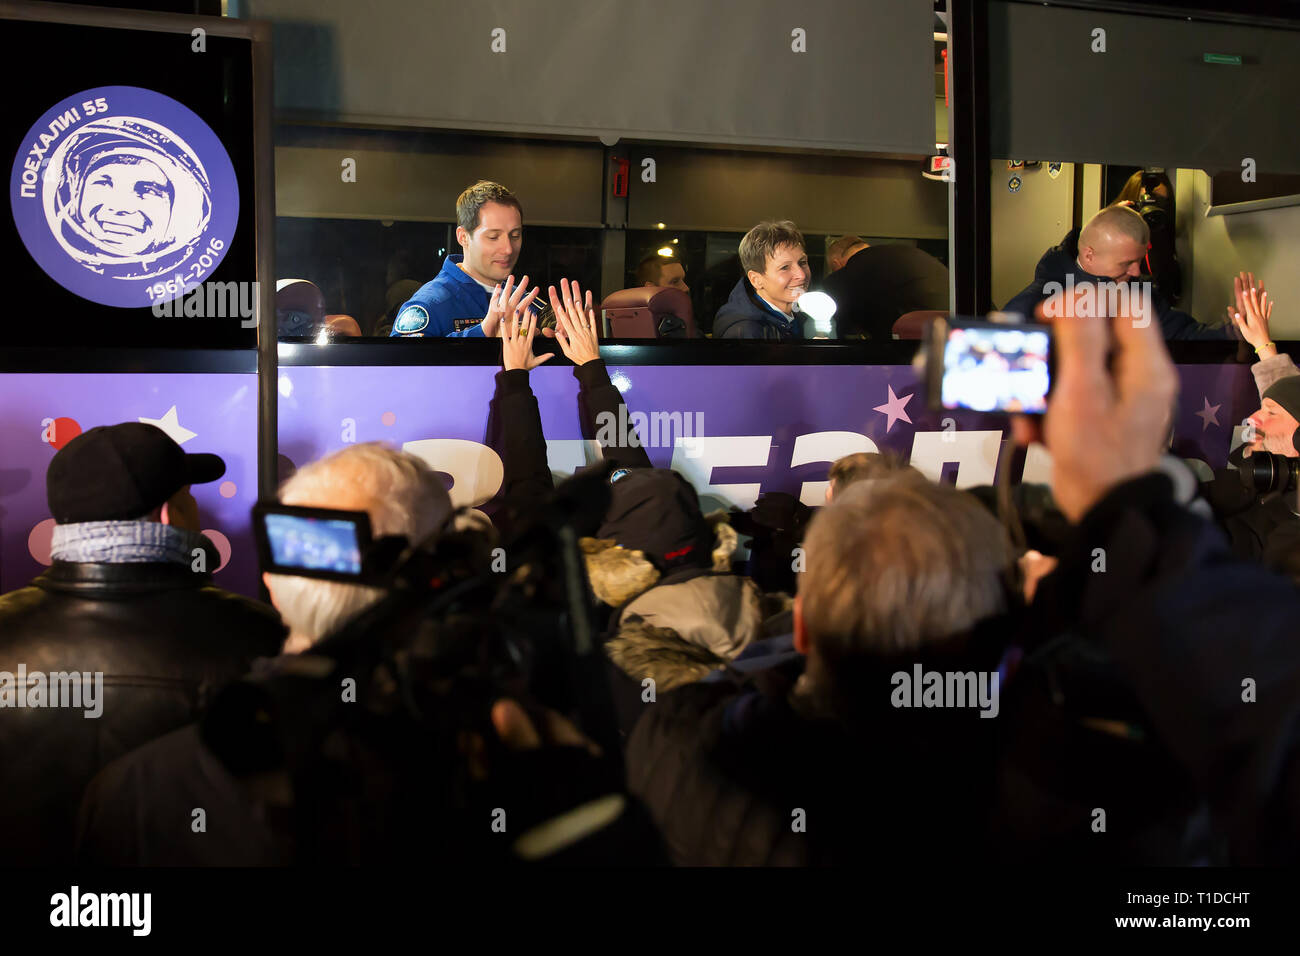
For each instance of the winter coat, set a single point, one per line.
(1062, 260)
(746, 316)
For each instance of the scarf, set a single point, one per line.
(127, 542)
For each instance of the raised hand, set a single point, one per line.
(1251, 312)
(504, 302)
(517, 342)
(1106, 425)
(575, 324)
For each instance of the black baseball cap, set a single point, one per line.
(655, 510)
(121, 472)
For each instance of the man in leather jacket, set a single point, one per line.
(125, 626)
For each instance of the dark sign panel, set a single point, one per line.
(130, 187)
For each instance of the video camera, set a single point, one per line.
(460, 626)
(1266, 474)
(1155, 209)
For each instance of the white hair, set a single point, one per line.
(402, 496)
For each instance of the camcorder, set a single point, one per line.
(383, 728)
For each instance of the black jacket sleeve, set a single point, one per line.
(515, 427)
(1180, 325)
(1026, 300)
(605, 418)
(1176, 324)
(1208, 644)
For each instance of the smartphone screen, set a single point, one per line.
(314, 544)
(996, 368)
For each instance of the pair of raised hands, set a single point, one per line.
(575, 325)
(1250, 313)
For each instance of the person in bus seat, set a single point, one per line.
(764, 303)
(660, 271)
(458, 301)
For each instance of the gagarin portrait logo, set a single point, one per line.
(124, 196)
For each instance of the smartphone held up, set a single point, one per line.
(986, 366)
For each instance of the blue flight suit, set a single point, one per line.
(451, 304)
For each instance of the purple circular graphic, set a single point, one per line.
(124, 196)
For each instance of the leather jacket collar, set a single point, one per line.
(103, 579)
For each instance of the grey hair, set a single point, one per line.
(402, 495)
(899, 563)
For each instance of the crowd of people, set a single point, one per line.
(1103, 674)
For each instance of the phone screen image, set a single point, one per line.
(316, 544)
(996, 369)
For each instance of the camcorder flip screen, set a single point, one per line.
(990, 366)
(312, 542)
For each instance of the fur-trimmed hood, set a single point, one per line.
(679, 630)
(618, 575)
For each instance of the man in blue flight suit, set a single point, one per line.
(471, 292)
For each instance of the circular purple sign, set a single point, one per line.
(124, 196)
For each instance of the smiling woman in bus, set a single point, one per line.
(763, 305)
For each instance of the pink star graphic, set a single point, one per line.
(1209, 414)
(894, 409)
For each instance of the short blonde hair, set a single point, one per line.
(1115, 219)
(761, 243)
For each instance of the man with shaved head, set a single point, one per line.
(1114, 244)
(1110, 248)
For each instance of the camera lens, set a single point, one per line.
(1257, 472)
(1264, 473)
